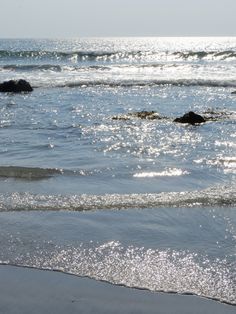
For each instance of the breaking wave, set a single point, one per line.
(214, 55)
(118, 55)
(222, 196)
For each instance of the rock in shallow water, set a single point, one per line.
(148, 115)
(191, 118)
(15, 86)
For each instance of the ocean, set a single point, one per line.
(89, 188)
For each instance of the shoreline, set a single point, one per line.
(28, 290)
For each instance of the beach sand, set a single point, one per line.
(26, 290)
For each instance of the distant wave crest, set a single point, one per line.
(32, 67)
(214, 55)
(118, 55)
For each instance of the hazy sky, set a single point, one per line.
(79, 18)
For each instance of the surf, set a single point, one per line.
(210, 197)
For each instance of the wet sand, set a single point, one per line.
(30, 291)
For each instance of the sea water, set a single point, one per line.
(89, 188)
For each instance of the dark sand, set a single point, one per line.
(29, 291)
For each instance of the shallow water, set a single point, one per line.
(67, 165)
(184, 250)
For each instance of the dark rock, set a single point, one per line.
(191, 118)
(234, 92)
(15, 86)
(217, 115)
(123, 117)
(148, 115)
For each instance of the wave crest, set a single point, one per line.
(143, 83)
(209, 197)
(119, 55)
